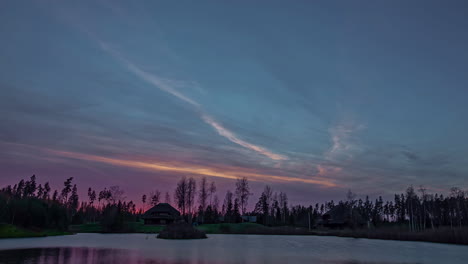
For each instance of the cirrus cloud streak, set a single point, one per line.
(161, 84)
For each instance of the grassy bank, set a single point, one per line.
(230, 228)
(132, 227)
(11, 231)
(139, 227)
(441, 235)
(252, 228)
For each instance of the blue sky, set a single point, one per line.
(311, 98)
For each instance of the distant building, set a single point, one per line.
(221, 218)
(249, 218)
(334, 219)
(341, 217)
(161, 214)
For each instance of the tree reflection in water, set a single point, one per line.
(84, 255)
(76, 256)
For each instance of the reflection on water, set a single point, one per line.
(224, 249)
(75, 255)
(99, 255)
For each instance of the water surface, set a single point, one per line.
(224, 249)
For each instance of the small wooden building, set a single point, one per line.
(335, 218)
(249, 218)
(341, 217)
(161, 214)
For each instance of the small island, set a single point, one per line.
(181, 231)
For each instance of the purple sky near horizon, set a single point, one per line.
(312, 99)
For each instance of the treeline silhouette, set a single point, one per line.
(32, 205)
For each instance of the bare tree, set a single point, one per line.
(215, 205)
(203, 193)
(116, 194)
(105, 195)
(212, 190)
(143, 200)
(191, 191)
(180, 194)
(457, 196)
(155, 197)
(423, 192)
(351, 197)
(283, 200)
(167, 199)
(242, 193)
(268, 193)
(410, 198)
(274, 204)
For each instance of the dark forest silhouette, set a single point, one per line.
(31, 205)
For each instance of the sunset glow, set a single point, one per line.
(228, 173)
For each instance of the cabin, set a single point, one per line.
(249, 218)
(161, 214)
(334, 218)
(341, 217)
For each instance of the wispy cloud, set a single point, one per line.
(150, 78)
(327, 170)
(340, 136)
(180, 167)
(232, 137)
(341, 149)
(208, 119)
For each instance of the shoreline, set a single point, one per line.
(454, 236)
(8, 231)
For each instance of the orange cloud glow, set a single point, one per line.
(227, 172)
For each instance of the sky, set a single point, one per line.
(313, 98)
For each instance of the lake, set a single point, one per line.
(224, 249)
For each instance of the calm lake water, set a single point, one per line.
(224, 249)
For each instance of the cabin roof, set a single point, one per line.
(336, 215)
(340, 215)
(161, 208)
